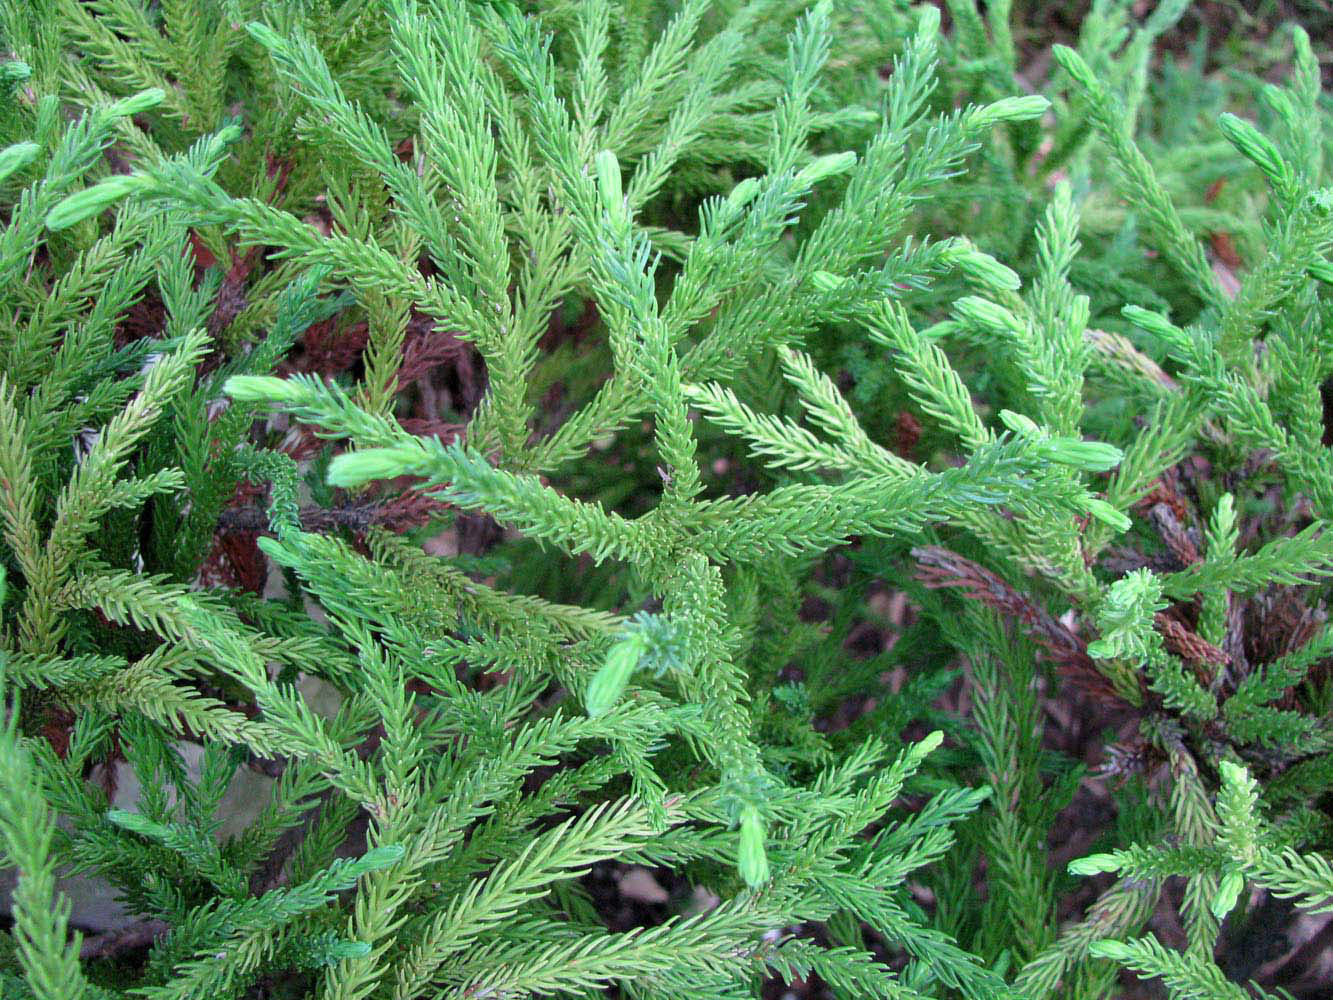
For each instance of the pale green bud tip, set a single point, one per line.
(826, 281)
(1072, 63)
(1023, 108)
(929, 25)
(940, 330)
(276, 551)
(138, 103)
(985, 269)
(1277, 99)
(261, 389)
(1089, 456)
(264, 35)
(1108, 515)
(1232, 773)
(753, 860)
(1224, 517)
(1301, 41)
(1116, 951)
(983, 312)
(1011, 109)
(17, 156)
(1154, 323)
(90, 201)
(607, 168)
(823, 167)
(1228, 891)
(15, 71)
(127, 820)
(358, 467)
(1322, 270)
(608, 684)
(1093, 864)
(743, 193)
(930, 743)
(382, 857)
(1235, 128)
(1019, 424)
(1253, 145)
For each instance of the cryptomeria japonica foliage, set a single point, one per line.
(495, 425)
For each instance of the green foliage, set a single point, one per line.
(764, 333)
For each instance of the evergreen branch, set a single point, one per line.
(50, 962)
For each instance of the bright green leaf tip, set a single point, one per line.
(827, 282)
(382, 857)
(276, 551)
(117, 816)
(90, 201)
(1108, 515)
(1116, 951)
(1011, 109)
(261, 389)
(15, 71)
(1228, 892)
(752, 857)
(984, 269)
(263, 34)
(930, 742)
(359, 467)
(1232, 773)
(1093, 864)
(823, 167)
(138, 103)
(1019, 423)
(1089, 456)
(607, 168)
(743, 193)
(928, 25)
(16, 157)
(608, 684)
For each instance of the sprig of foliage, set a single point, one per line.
(718, 332)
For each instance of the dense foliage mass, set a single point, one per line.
(733, 440)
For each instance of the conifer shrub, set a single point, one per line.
(558, 392)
